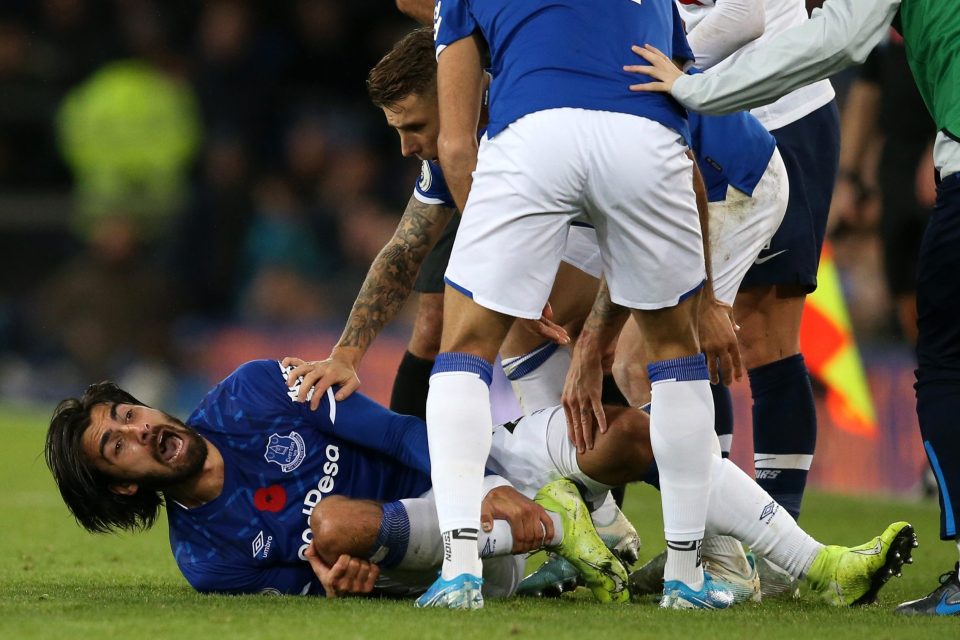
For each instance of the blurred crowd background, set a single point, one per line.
(186, 184)
(168, 166)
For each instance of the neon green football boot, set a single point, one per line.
(581, 545)
(846, 576)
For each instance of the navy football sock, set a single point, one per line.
(409, 395)
(784, 429)
(723, 416)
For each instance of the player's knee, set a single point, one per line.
(630, 429)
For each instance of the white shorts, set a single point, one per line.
(538, 451)
(582, 251)
(627, 176)
(742, 225)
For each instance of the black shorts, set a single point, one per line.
(811, 153)
(434, 266)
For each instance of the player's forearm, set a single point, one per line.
(460, 81)
(703, 211)
(839, 35)
(391, 276)
(458, 157)
(725, 29)
(604, 323)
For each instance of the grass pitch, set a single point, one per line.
(57, 581)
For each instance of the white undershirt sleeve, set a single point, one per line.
(725, 28)
(839, 35)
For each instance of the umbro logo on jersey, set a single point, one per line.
(261, 545)
(769, 257)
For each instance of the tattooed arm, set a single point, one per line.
(584, 384)
(384, 291)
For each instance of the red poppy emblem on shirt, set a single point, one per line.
(270, 498)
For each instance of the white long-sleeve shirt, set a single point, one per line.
(840, 34)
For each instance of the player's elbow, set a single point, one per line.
(456, 149)
(753, 25)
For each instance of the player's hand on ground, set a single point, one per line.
(347, 576)
(581, 397)
(546, 328)
(529, 523)
(320, 375)
(661, 69)
(718, 341)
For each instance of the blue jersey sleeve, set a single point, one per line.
(222, 577)
(452, 21)
(431, 187)
(360, 420)
(258, 392)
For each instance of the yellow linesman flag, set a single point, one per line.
(830, 350)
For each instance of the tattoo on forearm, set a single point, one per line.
(605, 315)
(391, 276)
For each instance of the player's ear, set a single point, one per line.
(125, 489)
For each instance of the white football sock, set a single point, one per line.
(459, 428)
(682, 436)
(606, 513)
(741, 508)
(537, 383)
(726, 552)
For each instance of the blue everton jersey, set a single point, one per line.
(280, 460)
(431, 187)
(567, 53)
(731, 150)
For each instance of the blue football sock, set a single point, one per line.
(784, 429)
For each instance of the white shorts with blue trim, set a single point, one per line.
(627, 176)
(741, 226)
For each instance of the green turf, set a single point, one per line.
(57, 581)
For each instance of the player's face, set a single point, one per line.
(137, 444)
(417, 119)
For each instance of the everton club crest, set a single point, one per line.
(287, 451)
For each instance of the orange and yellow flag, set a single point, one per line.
(830, 350)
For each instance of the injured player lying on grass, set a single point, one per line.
(265, 494)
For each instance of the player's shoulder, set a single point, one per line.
(255, 387)
(432, 187)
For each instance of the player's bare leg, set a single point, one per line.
(682, 438)
(537, 368)
(769, 318)
(459, 427)
(409, 394)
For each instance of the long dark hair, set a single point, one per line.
(86, 490)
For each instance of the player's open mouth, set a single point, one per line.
(169, 445)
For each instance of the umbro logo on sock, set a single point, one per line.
(769, 511)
